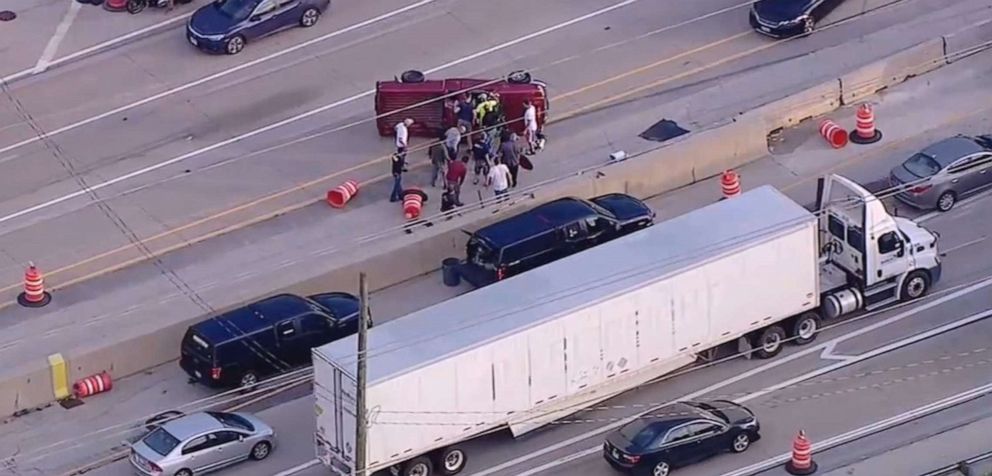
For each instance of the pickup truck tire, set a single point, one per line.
(450, 461)
(804, 328)
(915, 286)
(419, 466)
(518, 77)
(412, 76)
(768, 342)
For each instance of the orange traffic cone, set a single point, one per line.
(339, 196)
(730, 184)
(34, 294)
(802, 456)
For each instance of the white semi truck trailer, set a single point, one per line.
(521, 353)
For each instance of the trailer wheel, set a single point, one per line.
(915, 286)
(419, 466)
(450, 461)
(805, 328)
(412, 76)
(769, 342)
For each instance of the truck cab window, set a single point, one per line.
(888, 243)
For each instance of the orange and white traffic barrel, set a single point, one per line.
(802, 456)
(413, 203)
(865, 131)
(835, 135)
(730, 184)
(92, 385)
(340, 196)
(34, 294)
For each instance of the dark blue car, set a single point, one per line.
(225, 25)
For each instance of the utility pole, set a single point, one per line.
(361, 426)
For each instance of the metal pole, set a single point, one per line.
(361, 426)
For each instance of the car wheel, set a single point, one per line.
(419, 466)
(184, 472)
(946, 201)
(770, 342)
(661, 468)
(915, 286)
(310, 17)
(234, 45)
(261, 450)
(136, 6)
(248, 380)
(805, 328)
(740, 443)
(451, 460)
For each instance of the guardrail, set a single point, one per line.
(980, 465)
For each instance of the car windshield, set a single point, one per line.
(236, 9)
(599, 209)
(231, 420)
(922, 165)
(161, 441)
(639, 433)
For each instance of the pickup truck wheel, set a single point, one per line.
(451, 460)
(248, 381)
(769, 342)
(915, 286)
(419, 466)
(805, 328)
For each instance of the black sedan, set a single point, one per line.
(679, 434)
(785, 18)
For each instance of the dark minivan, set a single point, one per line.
(549, 232)
(237, 348)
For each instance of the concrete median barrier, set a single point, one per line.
(878, 75)
(968, 41)
(398, 256)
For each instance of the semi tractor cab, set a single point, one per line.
(868, 257)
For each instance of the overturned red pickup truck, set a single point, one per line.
(430, 103)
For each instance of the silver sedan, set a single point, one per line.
(944, 172)
(202, 442)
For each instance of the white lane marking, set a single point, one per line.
(298, 468)
(787, 383)
(219, 74)
(966, 244)
(304, 115)
(100, 46)
(828, 353)
(739, 377)
(53, 43)
(869, 429)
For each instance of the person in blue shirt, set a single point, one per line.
(465, 114)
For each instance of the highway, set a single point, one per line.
(183, 152)
(828, 389)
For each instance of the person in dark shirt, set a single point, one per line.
(481, 153)
(465, 114)
(509, 152)
(438, 154)
(398, 164)
(457, 170)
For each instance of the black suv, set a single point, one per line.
(785, 18)
(549, 232)
(270, 336)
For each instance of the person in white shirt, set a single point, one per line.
(499, 178)
(530, 126)
(402, 135)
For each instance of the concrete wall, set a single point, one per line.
(390, 260)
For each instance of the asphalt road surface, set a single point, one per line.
(166, 136)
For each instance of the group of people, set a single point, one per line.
(497, 154)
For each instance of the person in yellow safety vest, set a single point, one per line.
(489, 104)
